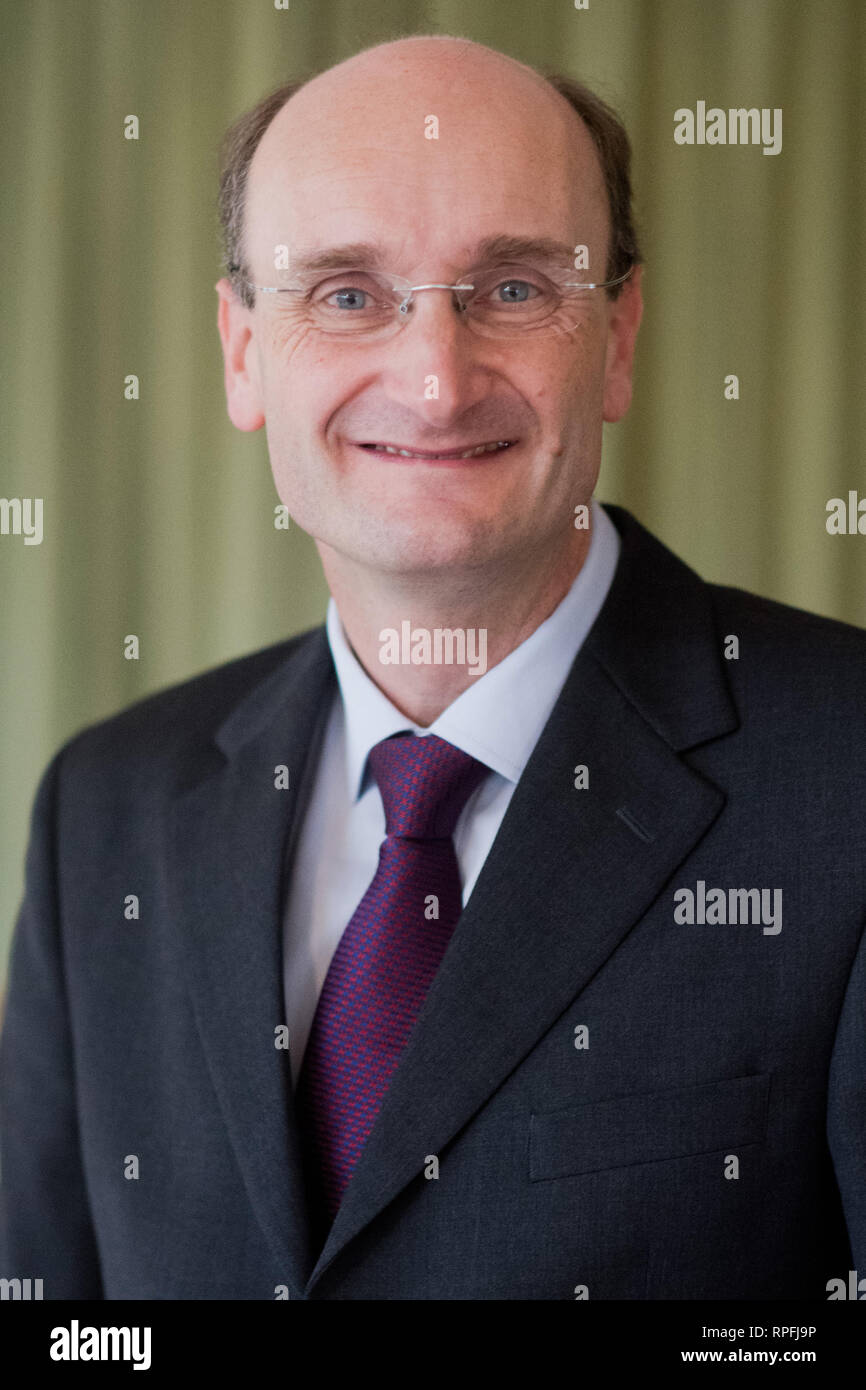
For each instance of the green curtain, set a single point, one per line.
(158, 515)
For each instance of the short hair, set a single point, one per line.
(608, 133)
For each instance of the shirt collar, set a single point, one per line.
(499, 717)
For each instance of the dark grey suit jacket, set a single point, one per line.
(709, 1142)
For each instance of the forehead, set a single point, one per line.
(427, 154)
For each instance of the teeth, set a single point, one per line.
(470, 453)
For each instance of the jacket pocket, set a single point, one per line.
(646, 1128)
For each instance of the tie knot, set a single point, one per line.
(425, 782)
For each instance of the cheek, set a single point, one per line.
(292, 363)
(573, 356)
(286, 344)
(567, 384)
(302, 371)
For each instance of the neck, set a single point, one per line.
(392, 621)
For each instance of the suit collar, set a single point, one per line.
(281, 696)
(657, 639)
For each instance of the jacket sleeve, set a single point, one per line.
(46, 1230)
(846, 1108)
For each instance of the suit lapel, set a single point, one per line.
(570, 872)
(229, 836)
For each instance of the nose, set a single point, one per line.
(435, 363)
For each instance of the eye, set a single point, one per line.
(515, 291)
(345, 297)
(351, 297)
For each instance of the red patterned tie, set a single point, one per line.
(387, 956)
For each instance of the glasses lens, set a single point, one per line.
(351, 302)
(510, 299)
(505, 301)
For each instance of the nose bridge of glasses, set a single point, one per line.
(406, 292)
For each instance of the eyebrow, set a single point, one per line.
(498, 248)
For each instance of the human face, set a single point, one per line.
(347, 161)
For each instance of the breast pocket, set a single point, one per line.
(719, 1115)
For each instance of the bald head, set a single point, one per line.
(431, 142)
(411, 74)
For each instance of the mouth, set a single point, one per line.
(457, 454)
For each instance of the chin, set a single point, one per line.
(417, 538)
(419, 557)
(416, 549)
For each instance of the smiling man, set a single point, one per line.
(523, 378)
(411, 1002)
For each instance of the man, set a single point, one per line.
(250, 1051)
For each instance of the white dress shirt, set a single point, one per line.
(497, 719)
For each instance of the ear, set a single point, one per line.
(625, 314)
(241, 376)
